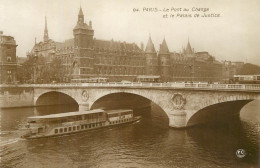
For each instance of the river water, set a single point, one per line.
(148, 143)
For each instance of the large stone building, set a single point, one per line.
(87, 57)
(8, 64)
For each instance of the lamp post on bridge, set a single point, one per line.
(35, 58)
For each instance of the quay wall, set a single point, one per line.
(16, 97)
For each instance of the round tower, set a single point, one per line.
(164, 62)
(151, 58)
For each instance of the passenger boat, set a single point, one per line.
(73, 122)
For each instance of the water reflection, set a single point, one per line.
(148, 143)
(222, 141)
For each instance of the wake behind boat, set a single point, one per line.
(72, 122)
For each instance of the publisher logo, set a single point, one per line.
(241, 153)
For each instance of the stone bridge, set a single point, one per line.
(184, 104)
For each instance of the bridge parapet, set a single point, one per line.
(175, 85)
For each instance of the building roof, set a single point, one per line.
(66, 44)
(150, 46)
(98, 44)
(82, 26)
(115, 45)
(163, 47)
(60, 115)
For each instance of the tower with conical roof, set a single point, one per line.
(151, 58)
(45, 36)
(164, 62)
(83, 63)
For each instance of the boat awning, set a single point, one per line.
(69, 114)
(118, 111)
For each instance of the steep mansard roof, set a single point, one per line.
(101, 44)
(82, 26)
(115, 45)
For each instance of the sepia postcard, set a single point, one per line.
(129, 83)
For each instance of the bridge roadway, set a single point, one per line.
(185, 104)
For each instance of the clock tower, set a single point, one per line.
(83, 48)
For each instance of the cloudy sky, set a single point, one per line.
(232, 36)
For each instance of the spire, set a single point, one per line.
(80, 12)
(80, 17)
(150, 46)
(188, 48)
(45, 23)
(46, 36)
(163, 47)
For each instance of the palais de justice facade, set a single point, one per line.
(86, 57)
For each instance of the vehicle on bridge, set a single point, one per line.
(246, 79)
(73, 122)
(90, 80)
(148, 78)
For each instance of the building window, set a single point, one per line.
(8, 58)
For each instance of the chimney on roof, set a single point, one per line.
(90, 24)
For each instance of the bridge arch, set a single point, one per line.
(121, 100)
(54, 98)
(220, 109)
(141, 98)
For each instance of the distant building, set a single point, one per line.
(45, 48)
(8, 64)
(87, 57)
(195, 66)
(231, 68)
